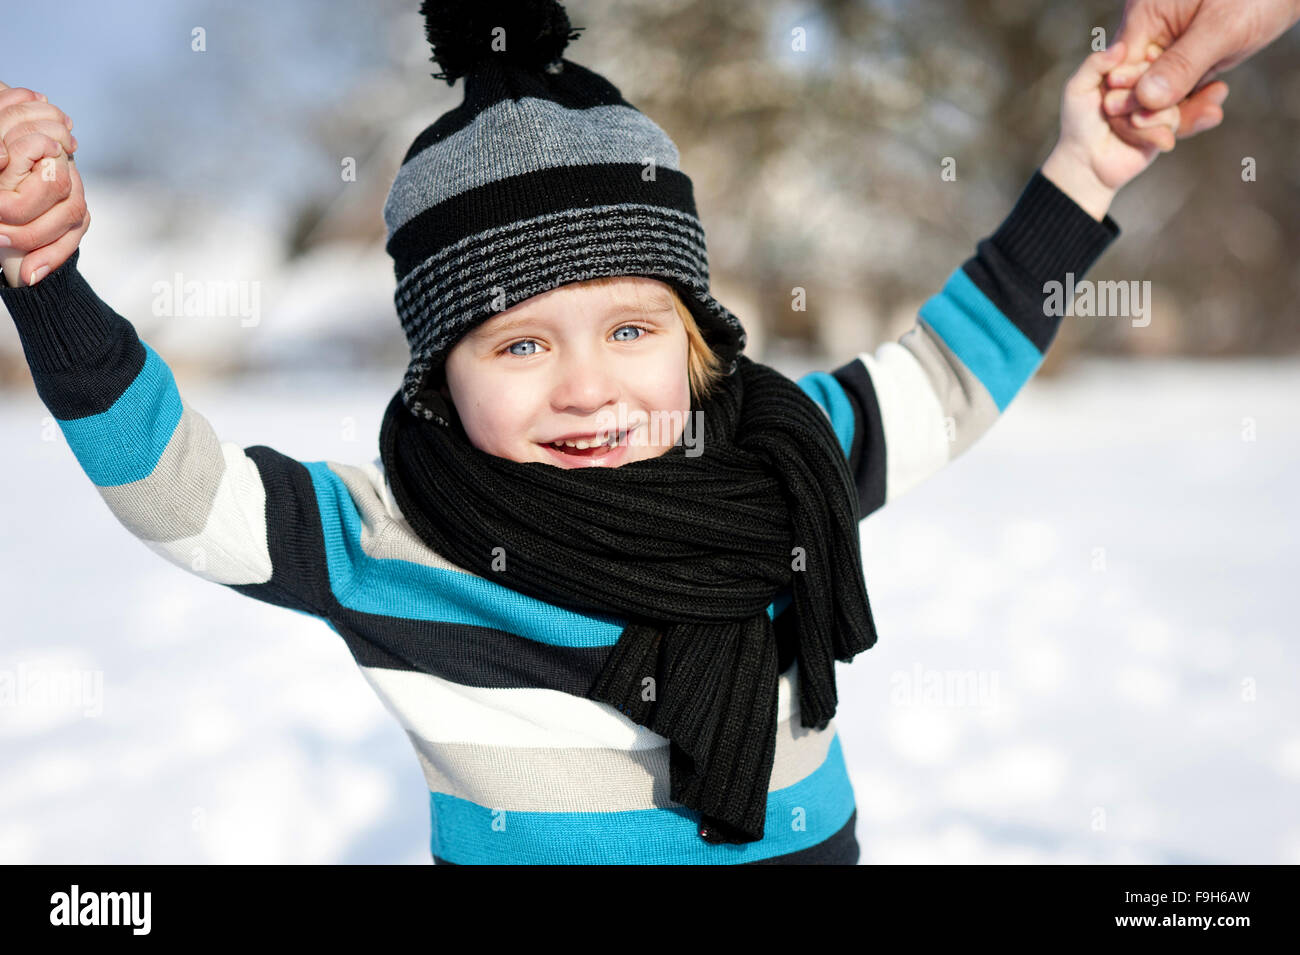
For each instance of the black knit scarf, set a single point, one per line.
(690, 549)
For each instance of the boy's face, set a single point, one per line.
(572, 361)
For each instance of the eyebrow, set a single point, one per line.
(655, 302)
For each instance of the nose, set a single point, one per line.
(585, 383)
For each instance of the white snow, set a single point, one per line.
(1083, 651)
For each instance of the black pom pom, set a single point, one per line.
(463, 33)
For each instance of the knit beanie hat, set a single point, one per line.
(544, 175)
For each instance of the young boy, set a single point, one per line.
(520, 379)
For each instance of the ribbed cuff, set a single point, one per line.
(61, 322)
(1049, 234)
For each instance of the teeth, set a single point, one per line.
(582, 445)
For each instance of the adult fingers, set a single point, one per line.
(1197, 113)
(1141, 24)
(36, 265)
(1201, 110)
(1191, 56)
(9, 96)
(24, 114)
(51, 128)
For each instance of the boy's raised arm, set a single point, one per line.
(915, 404)
(912, 406)
(244, 517)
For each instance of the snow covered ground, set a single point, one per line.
(1083, 651)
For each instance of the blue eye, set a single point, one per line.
(507, 350)
(526, 341)
(639, 327)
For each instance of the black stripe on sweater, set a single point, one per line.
(1046, 235)
(486, 657)
(867, 451)
(294, 537)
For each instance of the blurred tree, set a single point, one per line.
(815, 133)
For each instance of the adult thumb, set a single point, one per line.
(1173, 75)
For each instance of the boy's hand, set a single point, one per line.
(42, 217)
(1090, 162)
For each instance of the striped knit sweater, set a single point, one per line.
(489, 683)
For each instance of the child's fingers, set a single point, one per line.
(1127, 74)
(1089, 75)
(1158, 137)
(25, 152)
(1119, 102)
(27, 195)
(53, 224)
(1169, 116)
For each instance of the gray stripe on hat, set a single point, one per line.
(499, 267)
(515, 137)
(479, 251)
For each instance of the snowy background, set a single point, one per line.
(1105, 569)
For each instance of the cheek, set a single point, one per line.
(494, 422)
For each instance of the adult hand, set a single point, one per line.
(1200, 39)
(42, 217)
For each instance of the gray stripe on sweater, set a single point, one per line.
(384, 537)
(176, 499)
(961, 394)
(590, 779)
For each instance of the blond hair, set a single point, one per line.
(704, 368)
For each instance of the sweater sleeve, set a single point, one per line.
(247, 518)
(913, 405)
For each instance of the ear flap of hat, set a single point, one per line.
(433, 404)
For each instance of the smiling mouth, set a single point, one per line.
(592, 449)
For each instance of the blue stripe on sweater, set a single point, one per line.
(124, 443)
(401, 588)
(983, 337)
(829, 393)
(469, 834)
